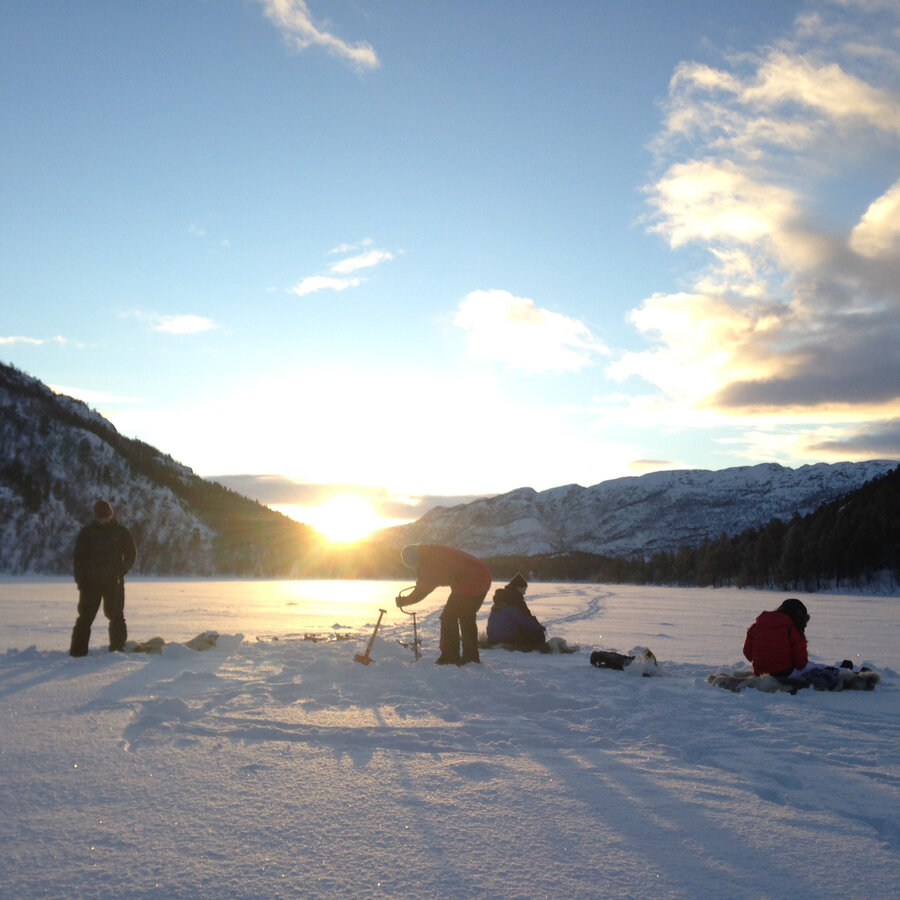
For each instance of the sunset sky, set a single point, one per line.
(392, 254)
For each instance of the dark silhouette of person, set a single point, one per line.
(469, 580)
(104, 553)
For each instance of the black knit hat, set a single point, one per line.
(518, 583)
(797, 611)
(103, 511)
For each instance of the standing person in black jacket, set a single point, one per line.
(104, 552)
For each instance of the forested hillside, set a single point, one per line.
(57, 457)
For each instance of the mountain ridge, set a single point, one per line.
(57, 456)
(637, 515)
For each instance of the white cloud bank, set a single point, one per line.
(513, 330)
(784, 165)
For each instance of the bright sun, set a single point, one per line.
(342, 519)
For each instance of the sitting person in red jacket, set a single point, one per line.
(469, 580)
(511, 622)
(776, 641)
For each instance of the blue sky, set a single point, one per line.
(399, 252)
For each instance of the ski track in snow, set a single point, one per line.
(282, 768)
(592, 608)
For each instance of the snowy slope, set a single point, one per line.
(57, 457)
(638, 515)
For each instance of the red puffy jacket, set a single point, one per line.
(775, 645)
(438, 565)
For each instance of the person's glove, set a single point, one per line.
(402, 600)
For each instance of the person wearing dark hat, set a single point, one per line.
(104, 553)
(469, 580)
(511, 622)
(776, 641)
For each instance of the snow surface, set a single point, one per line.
(282, 768)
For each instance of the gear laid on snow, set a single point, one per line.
(640, 661)
(203, 641)
(820, 678)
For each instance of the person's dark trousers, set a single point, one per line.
(458, 626)
(112, 596)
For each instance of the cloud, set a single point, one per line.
(882, 442)
(877, 235)
(316, 283)
(691, 332)
(294, 19)
(825, 90)
(715, 200)
(186, 324)
(781, 166)
(59, 340)
(280, 490)
(178, 324)
(362, 261)
(14, 339)
(513, 330)
(365, 256)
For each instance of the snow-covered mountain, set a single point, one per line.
(638, 516)
(57, 457)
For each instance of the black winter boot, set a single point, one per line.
(81, 637)
(118, 634)
(449, 642)
(469, 636)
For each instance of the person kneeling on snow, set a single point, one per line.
(776, 641)
(511, 622)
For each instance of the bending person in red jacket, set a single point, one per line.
(469, 580)
(776, 641)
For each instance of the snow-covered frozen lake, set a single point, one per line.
(281, 768)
